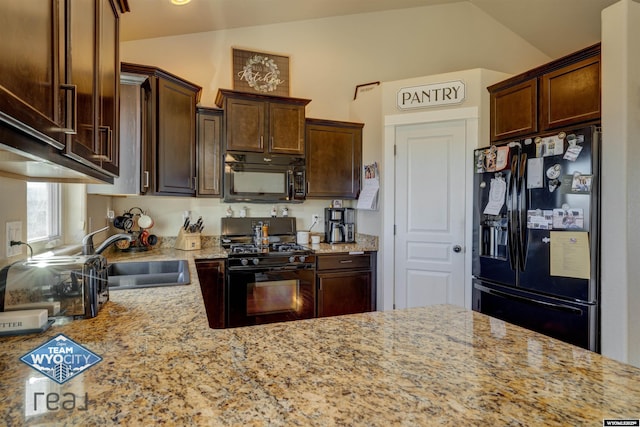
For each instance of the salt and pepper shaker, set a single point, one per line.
(243, 212)
(274, 212)
(285, 212)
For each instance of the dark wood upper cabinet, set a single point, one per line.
(286, 128)
(209, 152)
(514, 111)
(245, 125)
(334, 159)
(108, 87)
(263, 123)
(58, 86)
(31, 84)
(91, 52)
(571, 94)
(168, 158)
(559, 94)
(80, 73)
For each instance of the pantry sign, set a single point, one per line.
(431, 95)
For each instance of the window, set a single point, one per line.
(43, 211)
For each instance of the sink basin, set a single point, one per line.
(147, 274)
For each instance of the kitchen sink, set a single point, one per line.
(147, 274)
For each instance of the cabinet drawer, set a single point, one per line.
(345, 261)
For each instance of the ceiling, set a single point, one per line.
(555, 27)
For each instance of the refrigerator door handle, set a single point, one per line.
(558, 307)
(522, 213)
(511, 231)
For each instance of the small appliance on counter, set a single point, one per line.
(74, 286)
(340, 225)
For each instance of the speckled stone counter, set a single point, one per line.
(439, 365)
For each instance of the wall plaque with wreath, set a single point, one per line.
(260, 72)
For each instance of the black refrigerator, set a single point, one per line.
(536, 249)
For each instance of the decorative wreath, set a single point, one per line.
(267, 83)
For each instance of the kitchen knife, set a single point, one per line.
(186, 224)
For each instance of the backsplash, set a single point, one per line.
(167, 212)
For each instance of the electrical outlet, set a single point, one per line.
(314, 218)
(14, 232)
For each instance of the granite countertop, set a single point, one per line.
(423, 366)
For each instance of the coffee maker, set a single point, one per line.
(340, 225)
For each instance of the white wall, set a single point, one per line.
(12, 208)
(167, 212)
(620, 179)
(329, 57)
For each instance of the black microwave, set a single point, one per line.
(260, 178)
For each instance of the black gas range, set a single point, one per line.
(239, 239)
(268, 278)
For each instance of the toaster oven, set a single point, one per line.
(74, 286)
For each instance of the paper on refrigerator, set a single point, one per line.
(570, 254)
(497, 194)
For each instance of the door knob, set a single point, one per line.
(457, 248)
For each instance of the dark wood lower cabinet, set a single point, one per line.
(344, 293)
(211, 277)
(346, 284)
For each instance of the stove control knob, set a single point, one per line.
(302, 258)
(255, 261)
(292, 259)
(244, 261)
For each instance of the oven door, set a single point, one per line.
(265, 295)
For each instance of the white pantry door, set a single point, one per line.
(430, 214)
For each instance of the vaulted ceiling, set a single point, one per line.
(555, 27)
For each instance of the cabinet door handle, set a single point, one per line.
(146, 179)
(195, 183)
(110, 151)
(106, 130)
(73, 129)
(346, 261)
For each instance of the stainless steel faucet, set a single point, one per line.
(87, 241)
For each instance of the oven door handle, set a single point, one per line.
(263, 269)
(293, 267)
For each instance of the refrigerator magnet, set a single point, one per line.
(581, 183)
(554, 171)
(572, 152)
(568, 219)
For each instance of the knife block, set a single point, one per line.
(187, 241)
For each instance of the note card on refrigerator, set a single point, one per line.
(570, 254)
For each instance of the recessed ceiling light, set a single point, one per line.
(180, 2)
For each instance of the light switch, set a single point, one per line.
(14, 232)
